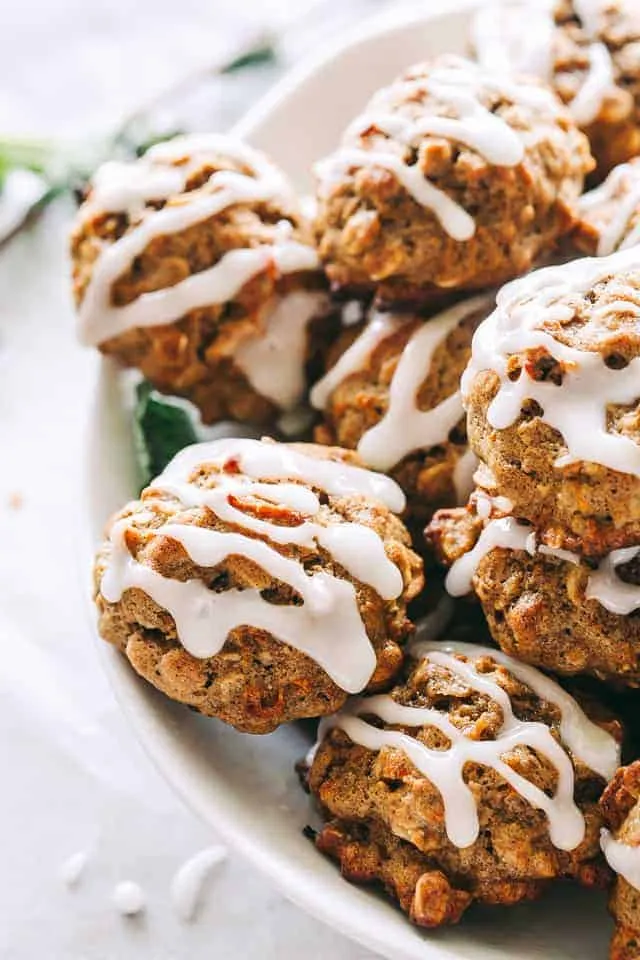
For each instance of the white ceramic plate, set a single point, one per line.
(244, 786)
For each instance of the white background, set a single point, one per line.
(71, 776)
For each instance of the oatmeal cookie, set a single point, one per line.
(260, 582)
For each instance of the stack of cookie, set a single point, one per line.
(550, 539)
(452, 180)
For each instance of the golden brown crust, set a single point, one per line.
(385, 820)
(368, 853)
(255, 682)
(620, 804)
(373, 234)
(194, 356)
(536, 606)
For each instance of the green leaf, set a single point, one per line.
(26, 153)
(161, 429)
(133, 140)
(252, 58)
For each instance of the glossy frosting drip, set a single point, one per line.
(456, 87)
(577, 408)
(404, 427)
(463, 474)
(516, 37)
(125, 189)
(622, 190)
(622, 858)
(608, 589)
(378, 328)
(274, 361)
(273, 461)
(486, 505)
(327, 626)
(603, 585)
(451, 216)
(587, 103)
(165, 169)
(444, 768)
(505, 533)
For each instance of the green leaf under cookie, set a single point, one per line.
(161, 429)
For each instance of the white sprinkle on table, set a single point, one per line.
(128, 898)
(72, 869)
(188, 883)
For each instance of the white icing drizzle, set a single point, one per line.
(463, 474)
(622, 858)
(567, 555)
(603, 584)
(608, 589)
(454, 220)
(586, 740)
(188, 883)
(587, 103)
(456, 86)
(99, 318)
(327, 626)
(352, 313)
(274, 361)
(404, 427)
(504, 533)
(273, 461)
(516, 36)
(128, 898)
(485, 505)
(379, 327)
(204, 618)
(621, 187)
(118, 187)
(444, 768)
(73, 868)
(578, 407)
(164, 171)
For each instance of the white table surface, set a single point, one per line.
(72, 776)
